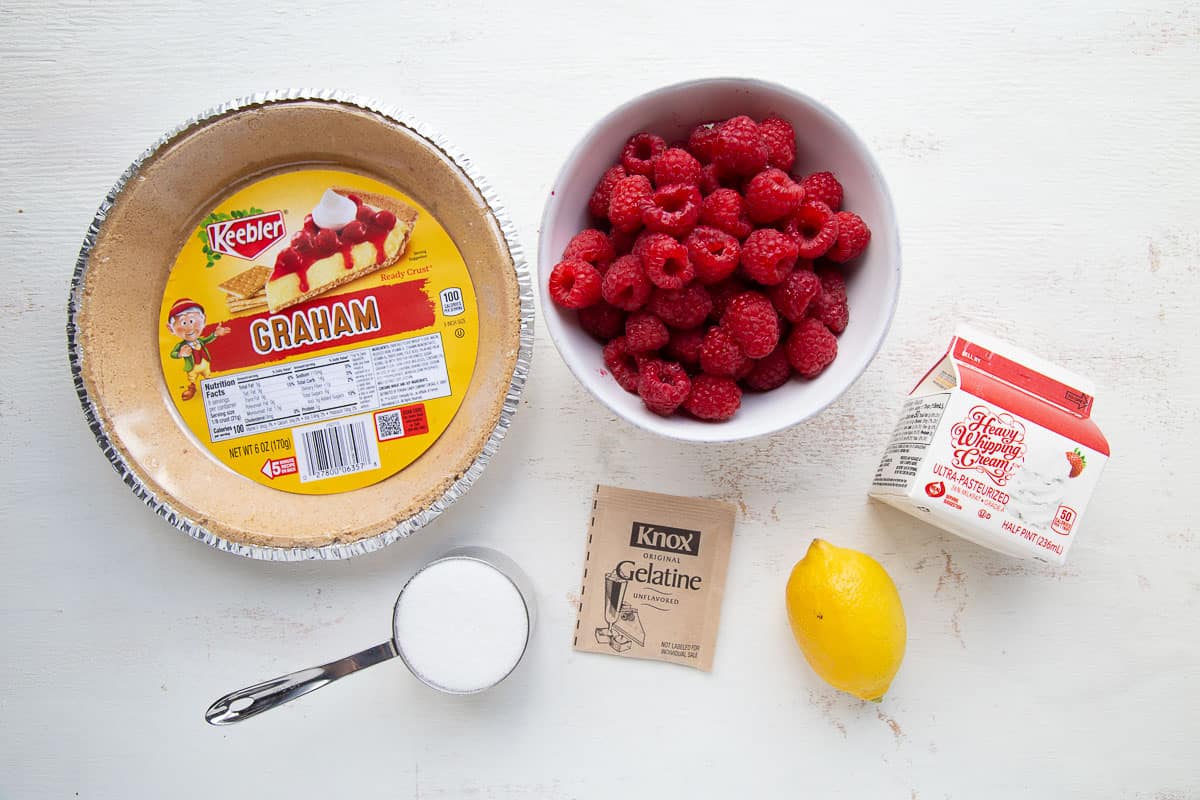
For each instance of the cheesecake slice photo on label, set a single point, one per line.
(349, 234)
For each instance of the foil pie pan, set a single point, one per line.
(138, 463)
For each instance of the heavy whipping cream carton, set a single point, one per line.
(998, 446)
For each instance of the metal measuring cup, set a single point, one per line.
(254, 700)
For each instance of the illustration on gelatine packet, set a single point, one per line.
(624, 627)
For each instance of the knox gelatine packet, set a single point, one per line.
(654, 576)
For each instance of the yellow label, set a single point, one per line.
(318, 331)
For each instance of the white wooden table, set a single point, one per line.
(1045, 164)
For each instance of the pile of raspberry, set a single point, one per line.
(711, 269)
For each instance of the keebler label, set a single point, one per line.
(248, 237)
(318, 332)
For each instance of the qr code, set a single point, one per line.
(389, 425)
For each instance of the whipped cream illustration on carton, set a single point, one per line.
(998, 446)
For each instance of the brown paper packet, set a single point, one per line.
(654, 576)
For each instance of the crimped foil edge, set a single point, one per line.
(512, 395)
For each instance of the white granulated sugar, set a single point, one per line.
(461, 625)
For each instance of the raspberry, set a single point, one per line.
(810, 348)
(640, 151)
(710, 179)
(853, 237)
(781, 142)
(639, 243)
(725, 210)
(676, 166)
(574, 284)
(740, 148)
(645, 333)
(768, 256)
(720, 354)
(824, 187)
(831, 306)
(833, 314)
(622, 364)
(814, 229)
(673, 210)
(592, 246)
(713, 252)
(792, 297)
(702, 140)
(772, 195)
(684, 346)
(713, 398)
(622, 241)
(752, 322)
(625, 284)
(682, 308)
(663, 386)
(709, 261)
(666, 261)
(598, 203)
(602, 320)
(833, 282)
(630, 196)
(770, 372)
(723, 293)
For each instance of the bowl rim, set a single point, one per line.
(553, 324)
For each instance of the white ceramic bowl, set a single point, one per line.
(824, 142)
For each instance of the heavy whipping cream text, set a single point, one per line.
(991, 442)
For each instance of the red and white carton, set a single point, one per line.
(998, 446)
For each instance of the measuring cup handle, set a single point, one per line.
(277, 691)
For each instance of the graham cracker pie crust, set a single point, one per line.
(118, 289)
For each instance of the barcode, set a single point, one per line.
(340, 448)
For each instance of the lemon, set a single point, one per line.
(847, 618)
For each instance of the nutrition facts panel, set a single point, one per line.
(325, 387)
(911, 438)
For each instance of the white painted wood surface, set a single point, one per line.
(1045, 160)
